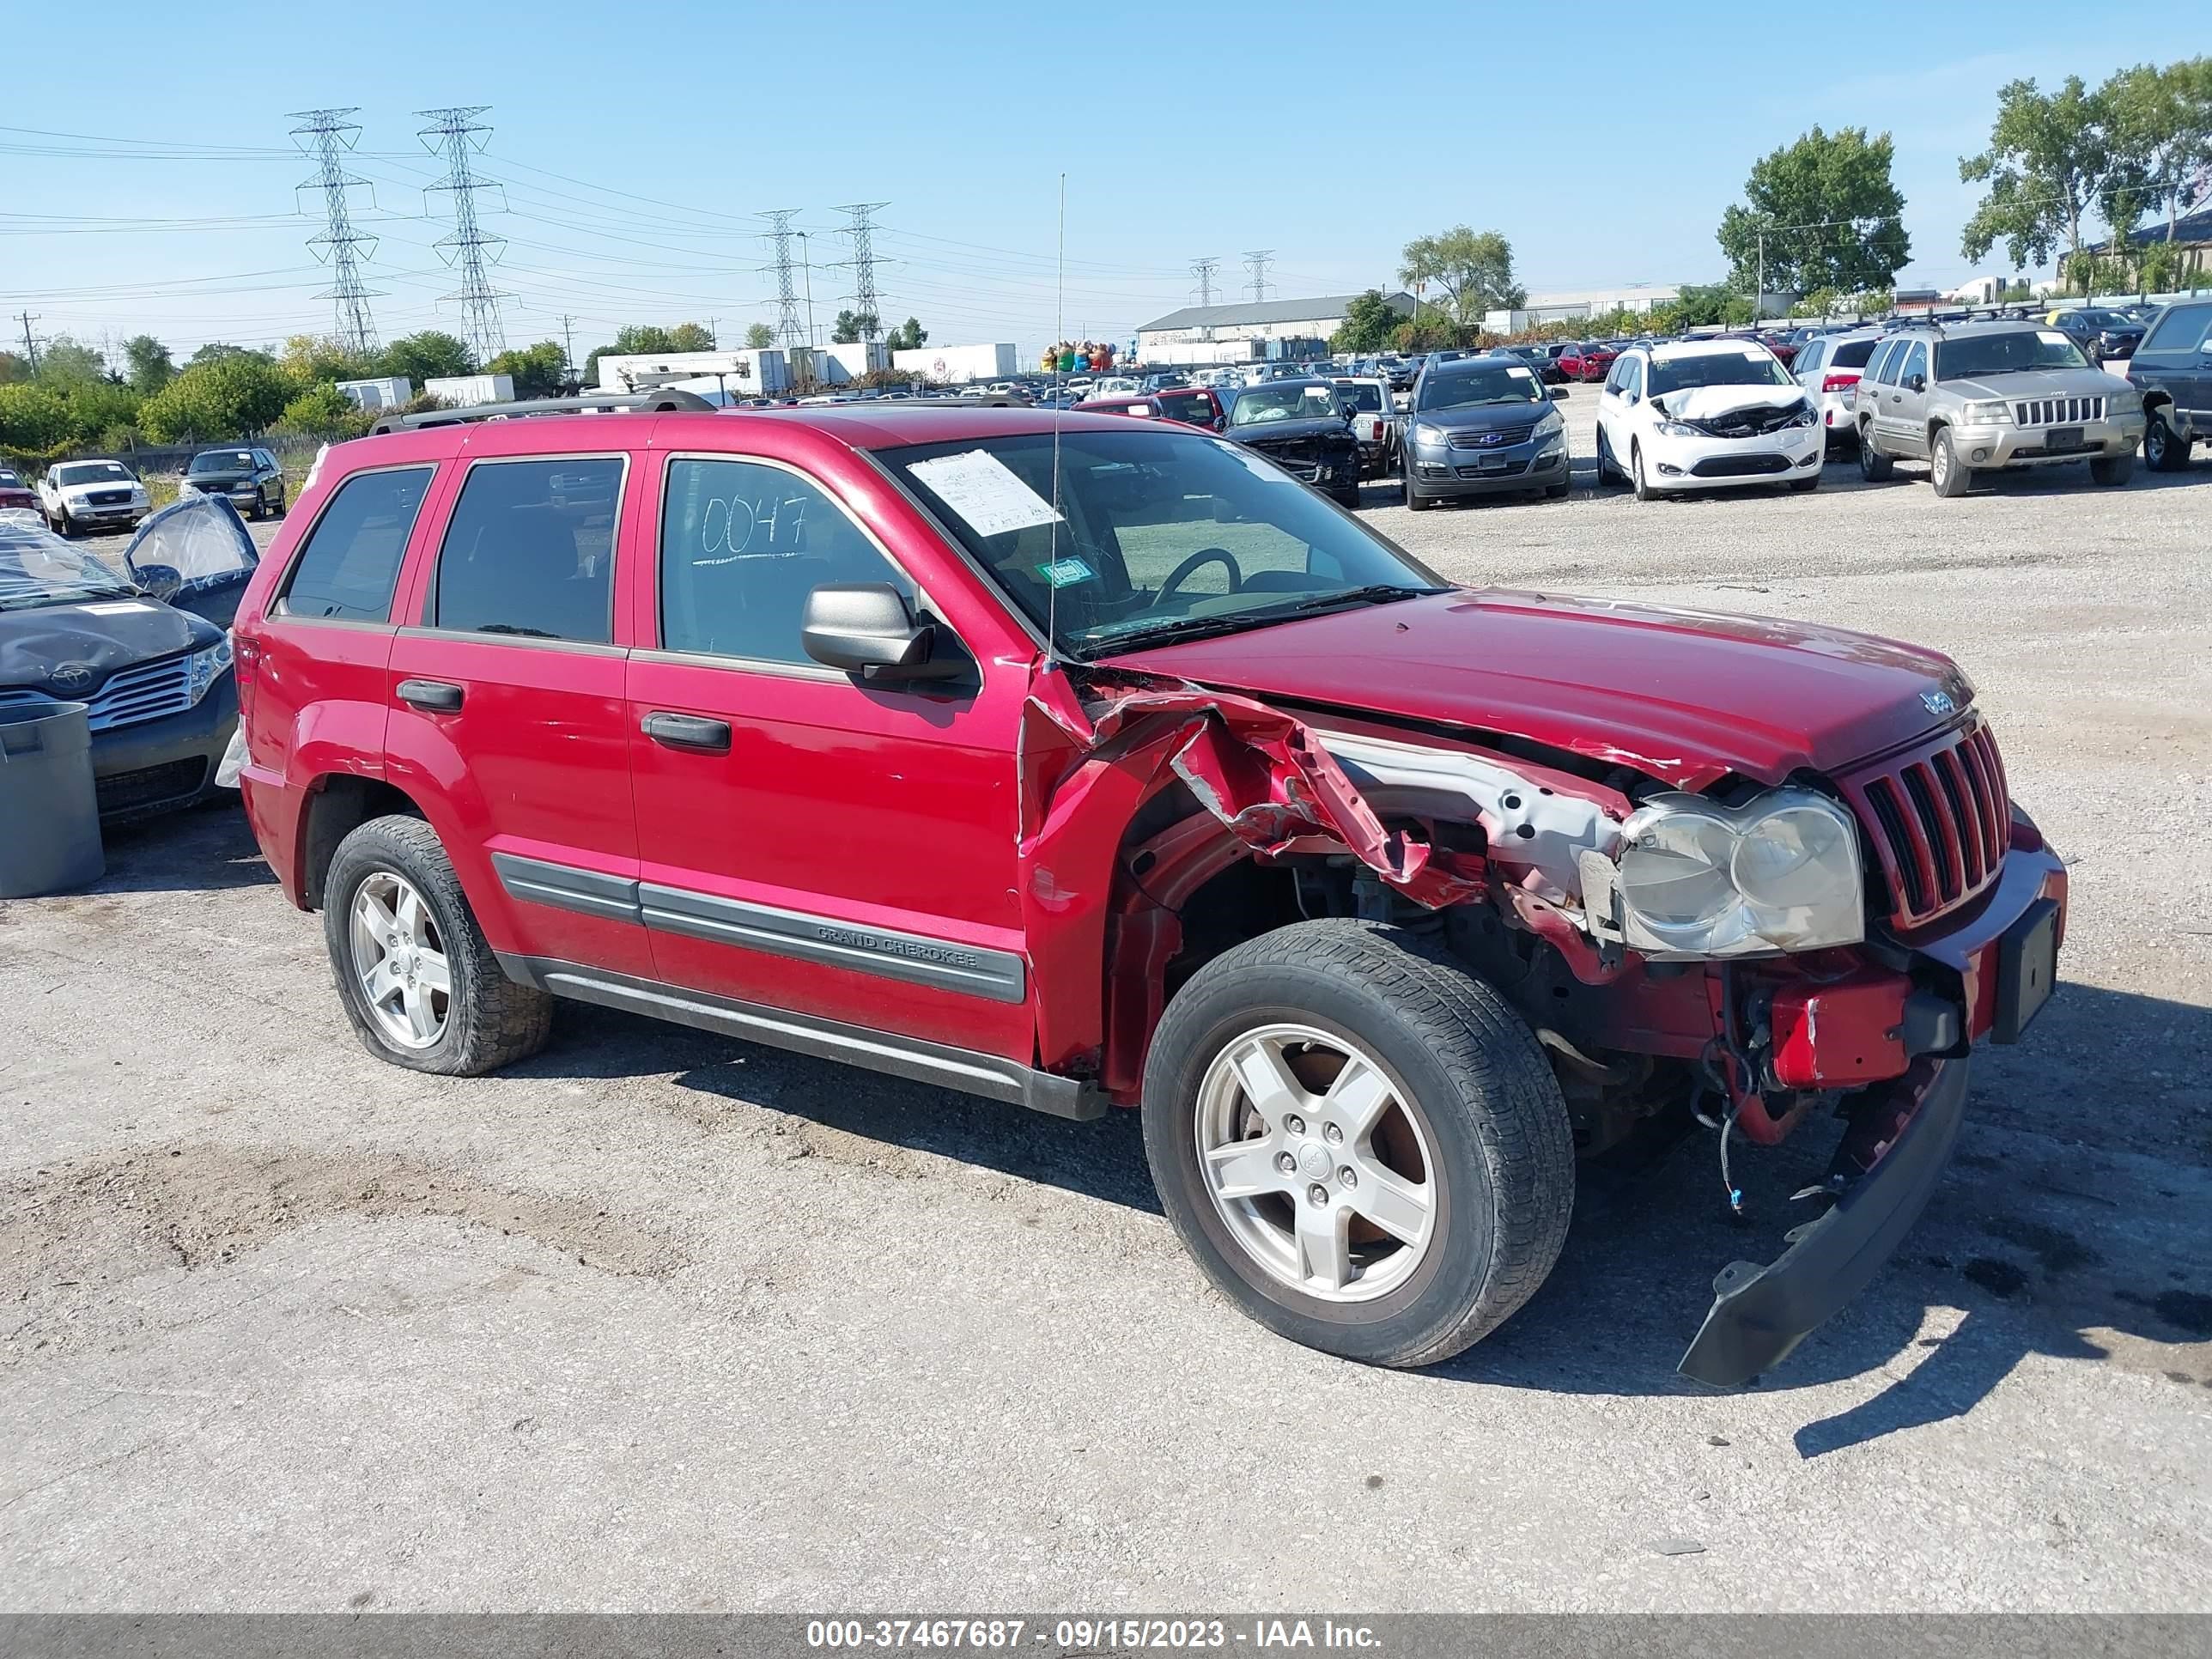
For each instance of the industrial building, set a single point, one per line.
(1258, 321)
(1566, 305)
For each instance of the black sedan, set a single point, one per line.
(156, 682)
(2103, 335)
(1303, 427)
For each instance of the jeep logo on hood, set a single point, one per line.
(1938, 703)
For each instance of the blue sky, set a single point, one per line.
(635, 144)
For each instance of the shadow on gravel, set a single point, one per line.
(206, 847)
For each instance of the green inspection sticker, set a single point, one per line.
(1066, 573)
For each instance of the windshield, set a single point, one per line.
(222, 460)
(37, 568)
(1753, 365)
(2103, 320)
(2006, 353)
(1367, 398)
(1262, 403)
(1159, 532)
(85, 473)
(1476, 387)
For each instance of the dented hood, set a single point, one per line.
(1684, 696)
(1705, 402)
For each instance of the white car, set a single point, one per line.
(1828, 367)
(91, 496)
(1706, 414)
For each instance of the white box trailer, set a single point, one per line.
(955, 365)
(388, 393)
(745, 374)
(464, 391)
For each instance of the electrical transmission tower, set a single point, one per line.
(1204, 270)
(455, 134)
(326, 135)
(1256, 261)
(863, 263)
(788, 333)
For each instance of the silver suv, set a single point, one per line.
(1992, 397)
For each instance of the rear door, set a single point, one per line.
(314, 670)
(2178, 353)
(506, 717)
(809, 840)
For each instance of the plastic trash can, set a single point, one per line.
(49, 815)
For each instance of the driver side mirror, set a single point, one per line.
(865, 629)
(1559, 394)
(1916, 383)
(160, 581)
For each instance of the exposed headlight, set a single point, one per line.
(1425, 434)
(209, 666)
(1989, 414)
(1677, 429)
(1805, 416)
(1551, 424)
(1699, 879)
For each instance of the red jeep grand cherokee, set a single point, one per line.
(1149, 779)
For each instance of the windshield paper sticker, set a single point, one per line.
(118, 608)
(2051, 336)
(1520, 373)
(984, 491)
(1066, 573)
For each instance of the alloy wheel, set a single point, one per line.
(399, 959)
(1317, 1163)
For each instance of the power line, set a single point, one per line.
(1204, 270)
(454, 132)
(787, 296)
(1256, 261)
(863, 263)
(339, 244)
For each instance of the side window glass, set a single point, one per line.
(1632, 382)
(529, 551)
(352, 560)
(1916, 362)
(2183, 328)
(742, 544)
(1808, 359)
(1877, 371)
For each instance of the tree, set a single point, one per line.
(323, 411)
(233, 397)
(1824, 213)
(908, 335)
(66, 361)
(214, 352)
(852, 326)
(33, 420)
(637, 337)
(538, 371)
(1370, 322)
(14, 369)
(2049, 160)
(311, 357)
(690, 336)
(147, 365)
(2161, 139)
(759, 337)
(430, 355)
(1474, 268)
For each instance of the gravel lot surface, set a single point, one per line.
(661, 1321)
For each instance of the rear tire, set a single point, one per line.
(1447, 1104)
(486, 1021)
(1873, 467)
(2165, 450)
(2112, 470)
(1951, 476)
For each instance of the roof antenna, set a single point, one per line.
(1060, 336)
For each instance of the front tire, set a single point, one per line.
(414, 972)
(2165, 450)
(1431, 1163)
(1637, 482)
(1951, 476)
(1414, 503)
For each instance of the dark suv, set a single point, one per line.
(2173, 369)
(1082, 762)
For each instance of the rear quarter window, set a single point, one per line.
(350, 563)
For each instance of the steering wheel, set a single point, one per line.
(1204, 556)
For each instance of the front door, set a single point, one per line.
(808, 841)
(1902, 409)
(506, 704)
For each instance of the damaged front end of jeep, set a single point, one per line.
(1753, 952)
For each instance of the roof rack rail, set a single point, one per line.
(667, 401)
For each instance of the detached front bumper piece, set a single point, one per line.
(1893, 1156)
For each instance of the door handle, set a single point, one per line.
(432, 696)
(691, 731)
